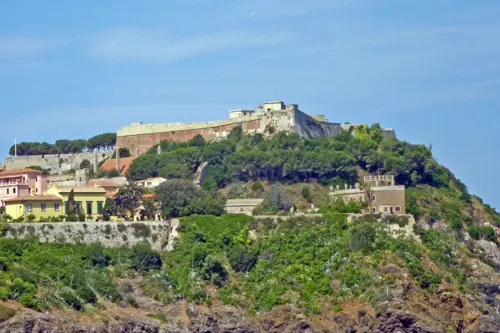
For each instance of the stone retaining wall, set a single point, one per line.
(110, 234)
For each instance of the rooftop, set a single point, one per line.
(80, 189)
(18, 172)
(125, 163)
(34, 198)
(153, 178)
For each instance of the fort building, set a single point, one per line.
(267, 119)
(380, 193)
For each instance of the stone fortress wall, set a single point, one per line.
(269, 119)
(57, 163)
(160, 235)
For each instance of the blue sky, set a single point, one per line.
(428, 69)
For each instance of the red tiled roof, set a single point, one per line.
(18, 172)
(34, 198)
(125, 163)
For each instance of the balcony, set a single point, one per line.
(12, 182)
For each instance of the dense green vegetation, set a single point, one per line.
(101, 141)
(44, 275)
(290, 158)
(298, 261)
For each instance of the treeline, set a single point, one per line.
(290, 158)
(102, 142)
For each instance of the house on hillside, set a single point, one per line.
(21, 183)
(89, 200)
(380, 192)
(150, 182)
(41, 206)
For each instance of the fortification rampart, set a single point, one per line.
(57, 163)
(277, 117)
(160, 235)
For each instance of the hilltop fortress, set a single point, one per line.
(138, 138)
(269, 119)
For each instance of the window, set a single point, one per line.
(14, 190)
(29, 208)
(149, 183)
(398, 209)
(8, 191)
(99, 207)
(385, 209)
(36, 190)
(373, 210)
(56, 207)
(89, 207)
(373, 197)
(43, 207)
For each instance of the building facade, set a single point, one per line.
(151, 182)
(380, 194)
(21, 183)
(242, 206)
(41, 206)
(89, 200)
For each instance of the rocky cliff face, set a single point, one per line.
(231, 320)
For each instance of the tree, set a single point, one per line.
(197, 141)
(71, 204)
(180, 198)
(124, 152)
(85, 164)
(149, 209)
(362, 236)
(102, 141)
(128, 200)
(306, 193)
(277, 199)
(175, 170)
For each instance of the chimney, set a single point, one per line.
(117, 159)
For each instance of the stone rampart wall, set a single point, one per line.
(110, 234)
(57, 163)
(141, 143)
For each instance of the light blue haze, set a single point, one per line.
(429, 69)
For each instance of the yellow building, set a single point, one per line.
(41, 206)
(89, 199)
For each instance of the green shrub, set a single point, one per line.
(257, 187)
(5, 293)
(132, 301)
(31, 218)
(362, 237)
(237, 190)
(213, 271)
(144, 258)
(474, 232)
(27, 301)
(488, 233)
(242, 259)
(306, 194)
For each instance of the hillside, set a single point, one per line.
(235, 273)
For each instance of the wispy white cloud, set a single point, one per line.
(15, 47)
(124, 45)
